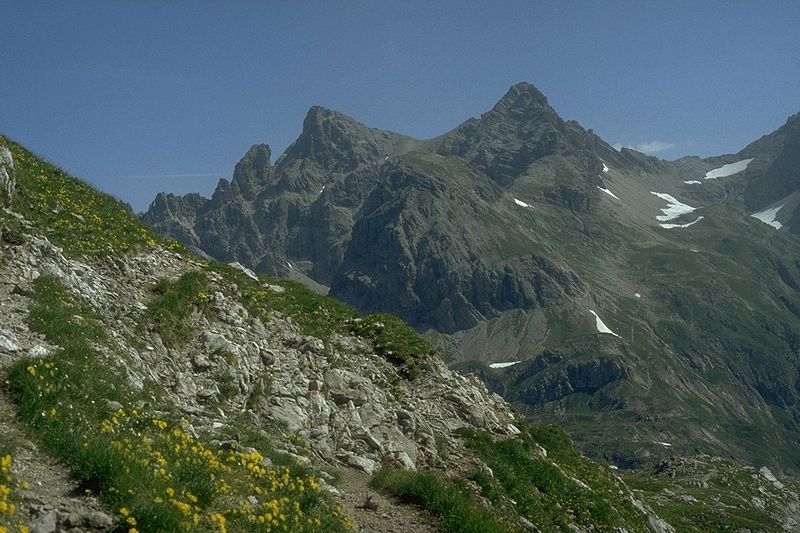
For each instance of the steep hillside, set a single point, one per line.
(146, 389)
(608, 290)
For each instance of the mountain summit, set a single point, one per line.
(612, 291)
(520, 129)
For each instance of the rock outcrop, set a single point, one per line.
(342, 398)
(7, 182)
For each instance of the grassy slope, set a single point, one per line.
(708, 338)
(537, 475)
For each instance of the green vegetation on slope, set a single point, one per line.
(395, 340)
(320, 316)
(74, 215)
(168, 313)
(554, 490)
(83, 221)
(455, 506)
(710, 494)
(537, 475)
(146, 465)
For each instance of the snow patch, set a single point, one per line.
(670, 226)
(637, 294)
(665, 444)
(674, 207)
(503, 365)
(322, 189)
(288, 264)
(605, 168)
(768, 214)
(728, 170)
(692, 182)
(520, 202)
(601, 327)
(608, 192)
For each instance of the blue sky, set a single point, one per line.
(142, 96)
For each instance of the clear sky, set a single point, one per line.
(142, 96)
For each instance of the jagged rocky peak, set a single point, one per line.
(252, 172)
(328, 137)
(166, 205)
(521, 99)
(337, 143)
(519, 130)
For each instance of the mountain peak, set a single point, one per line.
(523, 96)
(252, 171)
(257, 158)
(317, 115)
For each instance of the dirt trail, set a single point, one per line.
(390, 516)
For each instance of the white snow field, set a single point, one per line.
(520, 202)
(601, 327)
(692, 182)
(605, 168)
(608, 192)
(670, 226)
(674, 207)
(503, 365)
(768, 214)
(728, 170)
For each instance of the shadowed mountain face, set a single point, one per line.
(638, 295)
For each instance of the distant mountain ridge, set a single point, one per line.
(502, 236)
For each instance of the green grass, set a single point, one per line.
(316, 315)
(148, 468)
(544, 490)
(724, 503)
(60, 317)
(11, 229)
(395, 340)
(169, 312)
(74, 215)
(546, 494)
(322, 317)
(458, 511)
